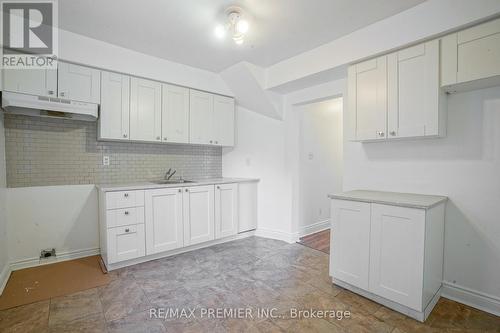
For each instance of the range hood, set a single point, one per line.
(41, 106)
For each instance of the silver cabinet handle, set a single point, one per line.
(218, 187)
(210, 141)
(51, 92)
(165, 139)
(127, 230)
(62, 94)
(380, 133)
(180, 190)
(158, 138)
(216, 142)
(126, 195)
(126, 212)
(393, 133)
(187, 190)
(125, 135)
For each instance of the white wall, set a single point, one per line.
(260, 153)
(88, 51)
(4, 257)
(63, 217)
(321, 162)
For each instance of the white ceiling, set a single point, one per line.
(182, 30)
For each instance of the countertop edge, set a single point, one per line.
(385, 202)
(152, 186)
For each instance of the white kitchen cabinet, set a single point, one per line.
(201, 117)
(175, 114)
(350, 239)
(471, 58)
(223, 123)
(415, 103)
(39, 82)
(125, 243)
(114, 112)
(247, 206)
(164, 220)
(397, 253)
(198, 202)
(226, 210)
(78, 83)
(145, 110)
(389, 247)
(367, 98)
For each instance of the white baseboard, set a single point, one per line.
(64, 256)
(473, 298)
(277, 234)
(315, 227)
(4, 277)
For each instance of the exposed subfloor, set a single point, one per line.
(252, 272)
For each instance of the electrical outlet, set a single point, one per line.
(105, 160)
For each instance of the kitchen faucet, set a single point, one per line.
(169, 174)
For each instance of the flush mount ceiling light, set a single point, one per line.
(235, 26)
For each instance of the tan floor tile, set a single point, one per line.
(136, 322)
(93, 323)
(26, 318)
(357, 303)
(71, 307)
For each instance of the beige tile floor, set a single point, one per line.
(249, 273)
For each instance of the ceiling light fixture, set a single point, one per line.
(236, 25)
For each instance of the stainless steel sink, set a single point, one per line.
(172, 181)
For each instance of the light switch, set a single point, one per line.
(105, 160)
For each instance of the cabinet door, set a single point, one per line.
(350, 241)
(39, 82)
(413, 91)
(201, 117)
(125, 243)
(78, 83)
(175, 114)
(164, 226)
(145, 110)
(478, 52)
(226, 210)
(223, 122)
(368, 98)
(198, 205)
(247, 206)
(397, 254)
(114, 114)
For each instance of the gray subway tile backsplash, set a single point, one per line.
(45, 151)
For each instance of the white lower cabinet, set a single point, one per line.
(351, 225)
(199, 216)
(391, 254)
(125, 243)
(164, 225)
(145, 224)
(397, 254)
(226, 210)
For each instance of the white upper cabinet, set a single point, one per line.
(164, 220)
(367, 93)
(415, 103)
(198, 205)
(145, 110)
(114, 115)
(201, 117)
(175, 114)
(226, 210)
(39, 82)
(471, 58)
(78, 83)
(223, 123)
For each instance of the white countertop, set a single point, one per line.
(391, 198)
(151, 185)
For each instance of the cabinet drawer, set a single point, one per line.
(125, 243)
(124, 216)
(124, 199)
